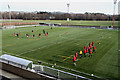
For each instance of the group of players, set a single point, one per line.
(17, 34)
(87, 50)
(28, 36)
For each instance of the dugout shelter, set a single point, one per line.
(15, 61)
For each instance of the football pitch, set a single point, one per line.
(61, 44)
(73, 22)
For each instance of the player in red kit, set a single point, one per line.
(39, 35)
(85, 53)
(94, 49)
(32, 31)
(47, 33)
(76, 55)
(33, 36)
(19, 33)
(89, 43)
(74, 59)
(90, 53)
(15, 34)
(90, 46)
(26, 35)
(92, 43)
(87, 50)
(85, 47)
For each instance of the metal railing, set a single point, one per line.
(49, 71)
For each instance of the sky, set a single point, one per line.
(76, 6)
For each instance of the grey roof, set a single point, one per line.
(16, 59)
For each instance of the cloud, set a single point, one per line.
(81, 6)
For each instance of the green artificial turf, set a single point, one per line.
(61, 44)
(82, 22)
(73, 22)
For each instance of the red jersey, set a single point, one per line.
(90, 51)
(32, 31)
(15, 34)
(39, 34)
(47, 33)
(89, 44)
(89, 48)
(93, 47)
(33, 35)
(75, 54)
(74, 58)
(85, 51)
(19, 33)
(92, 43)
(85, 47)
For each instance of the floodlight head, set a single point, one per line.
(115, 1)
(68, 5)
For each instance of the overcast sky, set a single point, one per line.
(76, 6)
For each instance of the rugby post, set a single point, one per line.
(115, 1)
(68, 14)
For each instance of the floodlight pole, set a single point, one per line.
(9, 13)
(1, 17)
(115, 1)
(68, 14)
